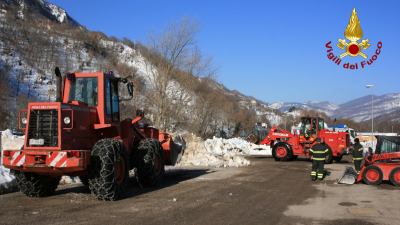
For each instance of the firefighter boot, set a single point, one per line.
(313, 175)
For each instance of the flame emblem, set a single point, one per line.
(353, 33)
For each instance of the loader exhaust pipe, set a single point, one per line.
(58, 84)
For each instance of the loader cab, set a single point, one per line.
(311, 125)
(97, 91)
(387, 144)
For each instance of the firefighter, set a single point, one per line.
(357, 154)
(318, 153)
(307, 133)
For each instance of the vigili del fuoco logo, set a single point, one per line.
(353, 46)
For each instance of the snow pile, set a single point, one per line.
(70, 180)
(8, 141)
(238, 145)
(7, 181)
(218, 152)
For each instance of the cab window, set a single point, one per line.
(84, 90)
(388, 146)
(320, 124)
(314, 124)
(353, 134)
(112, 101)
(305, 125)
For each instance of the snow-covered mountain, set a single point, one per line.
(324, 106)
(42, 7)
(358, 109)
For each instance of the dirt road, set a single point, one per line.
(267, 192)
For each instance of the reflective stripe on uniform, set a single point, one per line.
(320, 175)
(319, 152)
(319, 159)
(313, 173)
(361, 158)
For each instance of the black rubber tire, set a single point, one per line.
(35, 185)
(338, 158)
(274, 155)
(372, 167)
(329, 156)
(84, 180)
(151, 162)
(391, 176)
(289, 153)
(103, 183)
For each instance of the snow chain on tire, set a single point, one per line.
(103, 183)
(34, 185)
(151, 164)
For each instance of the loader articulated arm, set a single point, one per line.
(274, 134)
(139, 116)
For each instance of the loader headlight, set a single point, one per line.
(22, 119)
(67, 120)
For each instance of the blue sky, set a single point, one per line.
(272, 50)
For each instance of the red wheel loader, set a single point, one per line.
(382, 165)
(286, 145)
(81, 134)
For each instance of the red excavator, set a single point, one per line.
(288, 145)
(82, 134)
(381, 165)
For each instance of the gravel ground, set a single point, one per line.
(267, 192)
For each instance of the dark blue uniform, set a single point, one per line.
(318, 153)
(357, 156)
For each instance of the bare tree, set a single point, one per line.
(171, 54)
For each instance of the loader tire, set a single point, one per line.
(34, 185)
(329, 156)
(282, 152)
(108, 172)
(338, 158)
(151, 164)
(372, 175)
(395, 176)
(84, 180)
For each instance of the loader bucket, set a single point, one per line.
(349, 176)
(177, 150)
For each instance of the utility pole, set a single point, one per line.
(370, 86)
(285, 118)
